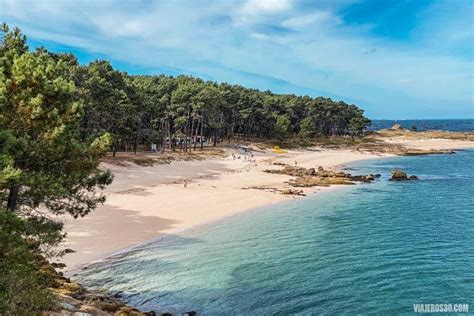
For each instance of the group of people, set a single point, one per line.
(247, 157)
(247, 154)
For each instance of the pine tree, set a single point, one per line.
(45, 166)
(43, 161)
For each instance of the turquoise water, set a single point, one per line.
(370, 249)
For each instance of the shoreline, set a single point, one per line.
(180, 231)
(228, 182)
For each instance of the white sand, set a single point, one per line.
(146, 202)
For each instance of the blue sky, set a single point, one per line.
(394, 58)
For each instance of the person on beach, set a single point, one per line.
(185, 183)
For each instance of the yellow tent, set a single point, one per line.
(278, 150)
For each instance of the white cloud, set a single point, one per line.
(254, 11)
(259, 36)
(317, 17)
(226, 39)
(255, 7)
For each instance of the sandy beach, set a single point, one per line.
(146, 202)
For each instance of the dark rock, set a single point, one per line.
(399, 175)
(311, 172)
(58, 265)
(191, 313)
(377, 175)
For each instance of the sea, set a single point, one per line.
(458, 125)
(368, 249)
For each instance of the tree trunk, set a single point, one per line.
(168, 131)
(215, 138)
(163, 137)
(191, 133)
(230, 131)
(186, 137)
(13, 197)
(195, 133)
(202, 130)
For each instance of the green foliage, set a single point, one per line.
(307, 127)
(23, 286)
(357, 124)
(282, 126)
(46, 165)
(42, 158)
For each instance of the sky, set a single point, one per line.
(396, 59)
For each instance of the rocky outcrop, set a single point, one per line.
(310, 177)
(72, 299)
(418, 152)
(400, 175)
(397, 127)
(311, 181)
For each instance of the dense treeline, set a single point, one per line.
(156, 109)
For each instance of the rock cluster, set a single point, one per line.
(292, 192)
(400, 175)
(72, 299)
(288, 191)
(419, 152)
(310, 177)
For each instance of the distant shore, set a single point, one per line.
(146, 202)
